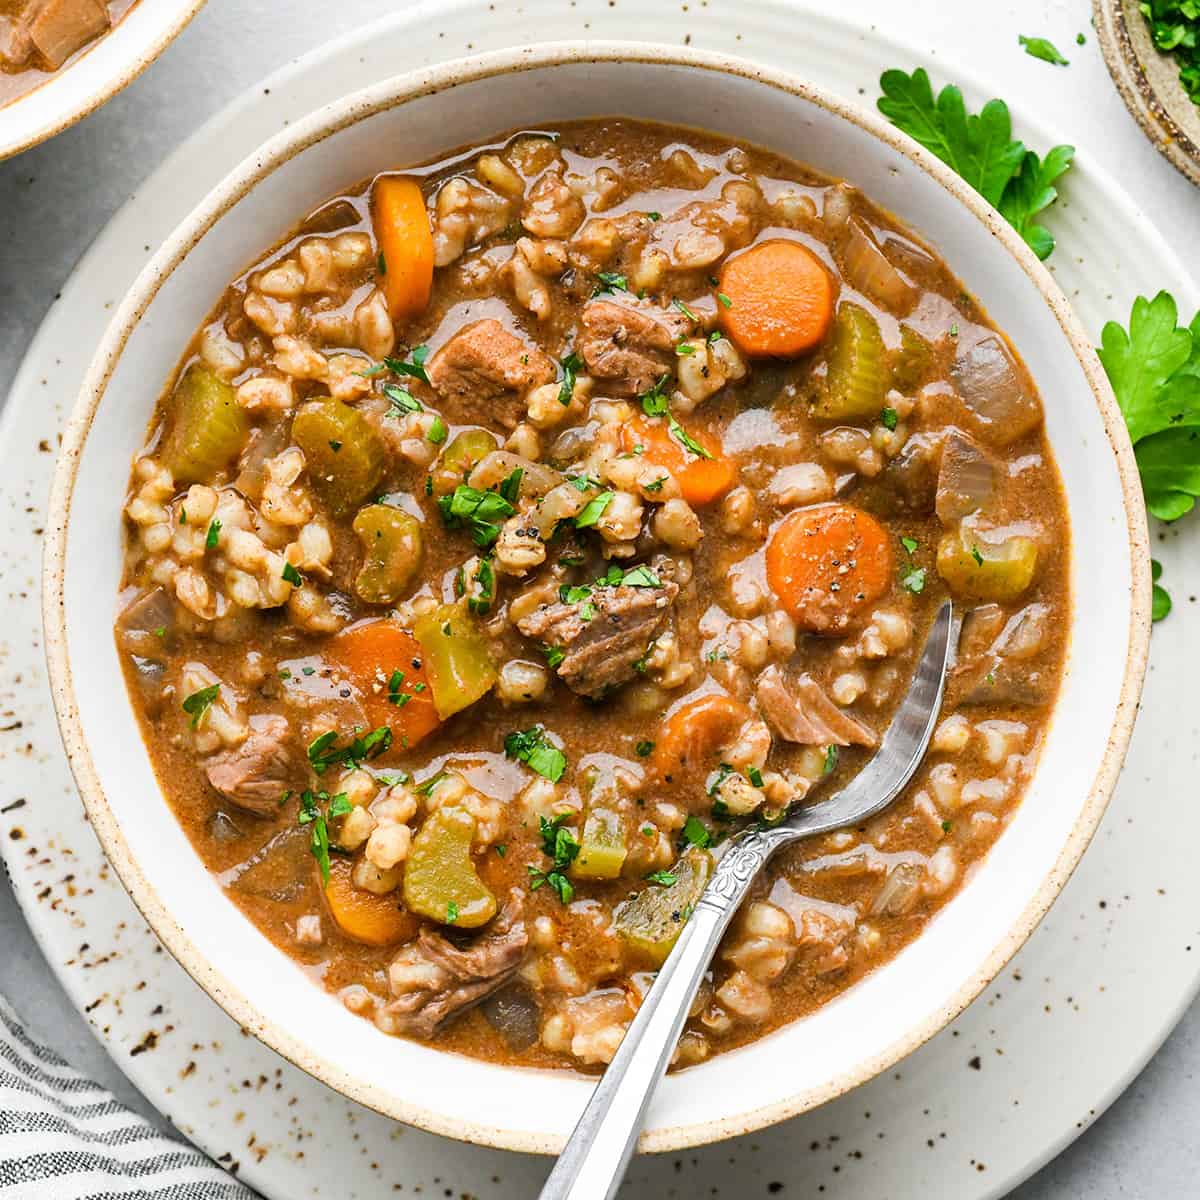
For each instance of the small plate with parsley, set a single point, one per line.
(1152, 48)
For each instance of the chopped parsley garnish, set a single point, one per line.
(610, 281)
(644, 749)
(655, 485)
(437, 431)
(510, 486)
(755, 776)
(685, 439)
(335, 446)
(980, 148)
(451, 912)
(695, 833)
(402, 400)
(480, 601)
(654, 402)
(593, 510)
(725, 300)
(687, 312)
(415, 368)
(946, 826)
(560, 845)
(1043, 48)
(913, 577)
(291, 575)
(198, 703)
(381, 264)
(395, 693)
(538, 753)
(554, 655)
(323, 754)
(718, 777)
(640, 576)
(311, 814)
(214, 531)
(570, 364)
(661, 878)
(831, 760)
(889, 418)
(426, 788)
(684, 348)
(480, 512)
(654, 216)
(501, 849)
(182, 515)
(1175, 29)
(583, 483)
(976, 555)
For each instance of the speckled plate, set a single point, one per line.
(1149, 84)
(973, 1112)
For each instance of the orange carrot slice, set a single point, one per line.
(692, 735)
(828, 564)
(377, 655)
(362, 915)
(702, 480)
(405, 245)
(775, 299)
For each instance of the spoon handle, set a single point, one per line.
(593, 1162)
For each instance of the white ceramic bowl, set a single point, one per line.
(102, 70)
(412, 119)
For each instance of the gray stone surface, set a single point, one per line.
(56, 198)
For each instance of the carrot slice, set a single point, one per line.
(828, 564)
(376, 655)
(361, 915)
(775, 299)
(691, 736)
(701, 480)
(405, 245)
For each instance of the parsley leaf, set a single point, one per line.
(662, 878)
(831, 760)
(1043, 48)
(654, 402)
(695, 833)
(554, 655)
(1154, 368)
(685, 439)
(979, 147)
(437, 431)
(401, 399)
(538, 753)
(889, 418)
(322, 753)
(610, 281)
(198, 703)
(566, 389)
(561, 846)
(480, 512)
(291, 575)
(593, 510)
(415, 368)
(311, 814)
(214, 530)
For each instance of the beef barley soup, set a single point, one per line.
(526, 524)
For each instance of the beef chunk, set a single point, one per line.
(255, 774)
(57, 28)
(482, 371)
(630, 346)
(799, 711)
(433, 980)
(603, 636)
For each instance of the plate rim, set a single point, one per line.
(386, 94)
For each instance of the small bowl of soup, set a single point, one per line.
(61, 59)
(518, 479)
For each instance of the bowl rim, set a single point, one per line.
(329, 120)
(70, 113)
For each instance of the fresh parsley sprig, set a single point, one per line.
(562, 847)
(1154, 369)
(979, 147)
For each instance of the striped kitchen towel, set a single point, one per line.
(63, 1137)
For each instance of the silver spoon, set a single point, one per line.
(594, 1159)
